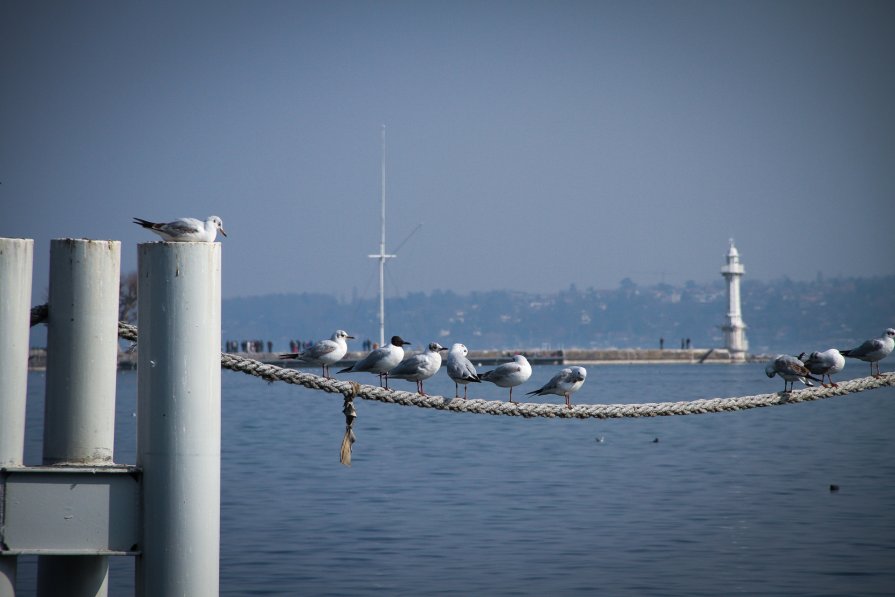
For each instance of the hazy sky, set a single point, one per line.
(539, 144)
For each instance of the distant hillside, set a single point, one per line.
(782, 315)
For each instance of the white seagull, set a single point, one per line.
(460, 369)
(325, 352)
(873, 351)
(419, 367)
(509, 375)
(565, 383)
(825, 363)
(186, 230)
(381, 360)
(791, 370)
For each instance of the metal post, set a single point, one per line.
(179, 417)
(16, 257)
(79, 418)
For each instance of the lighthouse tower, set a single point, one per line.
(734, 330)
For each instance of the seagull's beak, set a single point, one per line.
(221, 228)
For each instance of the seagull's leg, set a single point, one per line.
(511, 394)
(466, 387)
(456, 390)
(568, 400)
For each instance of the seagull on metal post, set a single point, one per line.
(186, 230)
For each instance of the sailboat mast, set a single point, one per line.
(382, 256)
(382, 251)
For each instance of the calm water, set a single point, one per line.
(458, 504)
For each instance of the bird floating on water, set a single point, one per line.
(419, 367)
(873, 351)
(565, 383)
(509, 375)
(186, 230)
(380, 361)
(791, 370)
(460, 369)
(324, 352)
(825, 363)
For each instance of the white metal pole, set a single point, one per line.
(16, 257)
(79, 410)
(179, 417)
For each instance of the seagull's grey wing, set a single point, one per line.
(410, 366)
(184, 226)
(866, 348)
(366, 363)
(320, 349)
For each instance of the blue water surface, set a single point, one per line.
(440, 503)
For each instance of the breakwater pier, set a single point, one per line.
(37, 357)
(490, 358)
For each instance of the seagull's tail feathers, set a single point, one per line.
(345, 370)
(144, 223)
(846, 353)
(289, 355)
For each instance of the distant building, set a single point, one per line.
(734, 329)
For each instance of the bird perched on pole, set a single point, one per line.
(509, 375)
(460, 369)
(791, 370)
(380, 361)
(324, 352)
(873, 351)
(565, 383)
(185, 230)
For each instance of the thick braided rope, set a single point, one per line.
(523, 409)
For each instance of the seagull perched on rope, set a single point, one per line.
(509, 375)
(791, 370)
(419, 367)
(825, 363)
(460, 369)
(565, 383)
(186, 230)
(873, 351)
(380, 361)
(323, 353)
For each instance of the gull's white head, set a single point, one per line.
(341, 335)
(459, 348)
(217, 223)
(890, 333)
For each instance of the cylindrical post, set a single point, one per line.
(179, 417)
(79, 416)
(16, 257)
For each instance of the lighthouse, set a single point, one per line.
(734, 330)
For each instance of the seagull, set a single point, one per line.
(791, 370)
(873, 351)
(381, 360)
(324, 353)
(565, 383)
(509, 375)
(460, 369)
(186, 230)
(826, 363)
(420, 367)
